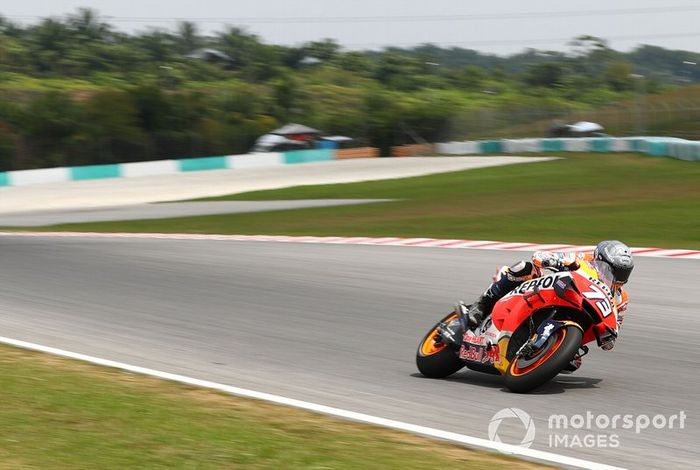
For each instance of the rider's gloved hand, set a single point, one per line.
(606, 344)
(555, 261)
(606, 339)
(554, 264)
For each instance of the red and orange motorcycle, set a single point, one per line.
(535, 332)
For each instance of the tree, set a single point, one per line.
(10, 117)
(547, 75)
(187, 37)
(617, 75)
(48, 126)
(325, 50)
(158, 46)
(470, 77)
(87, 25)
(357, 62)
(240, 45)
(398, 71)
(111, 131)
(286, 94)
(590, 55)
(381, 119)
(48, 43)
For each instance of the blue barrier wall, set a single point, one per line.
(95, 172)
(656, 146)
(122, 170)
(308, 156)
(203, 163)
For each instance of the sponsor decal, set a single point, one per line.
(548, 330)
(480, 354)
(542, 282)
(469, 337)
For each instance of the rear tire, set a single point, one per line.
(436, 360)
(524, 375)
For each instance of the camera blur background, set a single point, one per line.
(119, 83)
(269, 111)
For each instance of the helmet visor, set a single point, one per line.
(605, 273)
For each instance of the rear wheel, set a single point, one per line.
(434, 358)
(528, 372)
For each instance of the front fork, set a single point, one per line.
(544, 332)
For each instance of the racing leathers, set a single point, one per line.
(508, 278)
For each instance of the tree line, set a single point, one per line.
(75, 90)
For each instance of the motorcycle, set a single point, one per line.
(534, 332)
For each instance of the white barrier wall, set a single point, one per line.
(457, 148)
(255, 160)
(656, 146)
(161, 167)
(522, 145)
(39, 176)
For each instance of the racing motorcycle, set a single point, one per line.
(536, 331)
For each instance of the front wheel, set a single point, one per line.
(434, 358)
(528, 372)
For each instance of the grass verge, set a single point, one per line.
(59, 413)
(581, 198)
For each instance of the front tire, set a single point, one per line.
(435, 359)
(525, 374)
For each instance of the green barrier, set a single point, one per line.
(95, 172)
(491, 146)
(4, 179)
(203, 163)
(552, 145)
(307, 156)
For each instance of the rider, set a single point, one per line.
(615, 253)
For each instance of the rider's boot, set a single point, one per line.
(481, 308)
(452, 332)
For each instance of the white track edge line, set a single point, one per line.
(322, 409)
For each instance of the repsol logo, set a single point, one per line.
(542, 282)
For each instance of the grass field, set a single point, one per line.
(59, 413)
(581, 198)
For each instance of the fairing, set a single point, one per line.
(587, 290)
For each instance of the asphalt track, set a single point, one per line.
(163, 211)
(338, 325)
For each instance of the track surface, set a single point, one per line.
(163, 211)
(338, 325)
